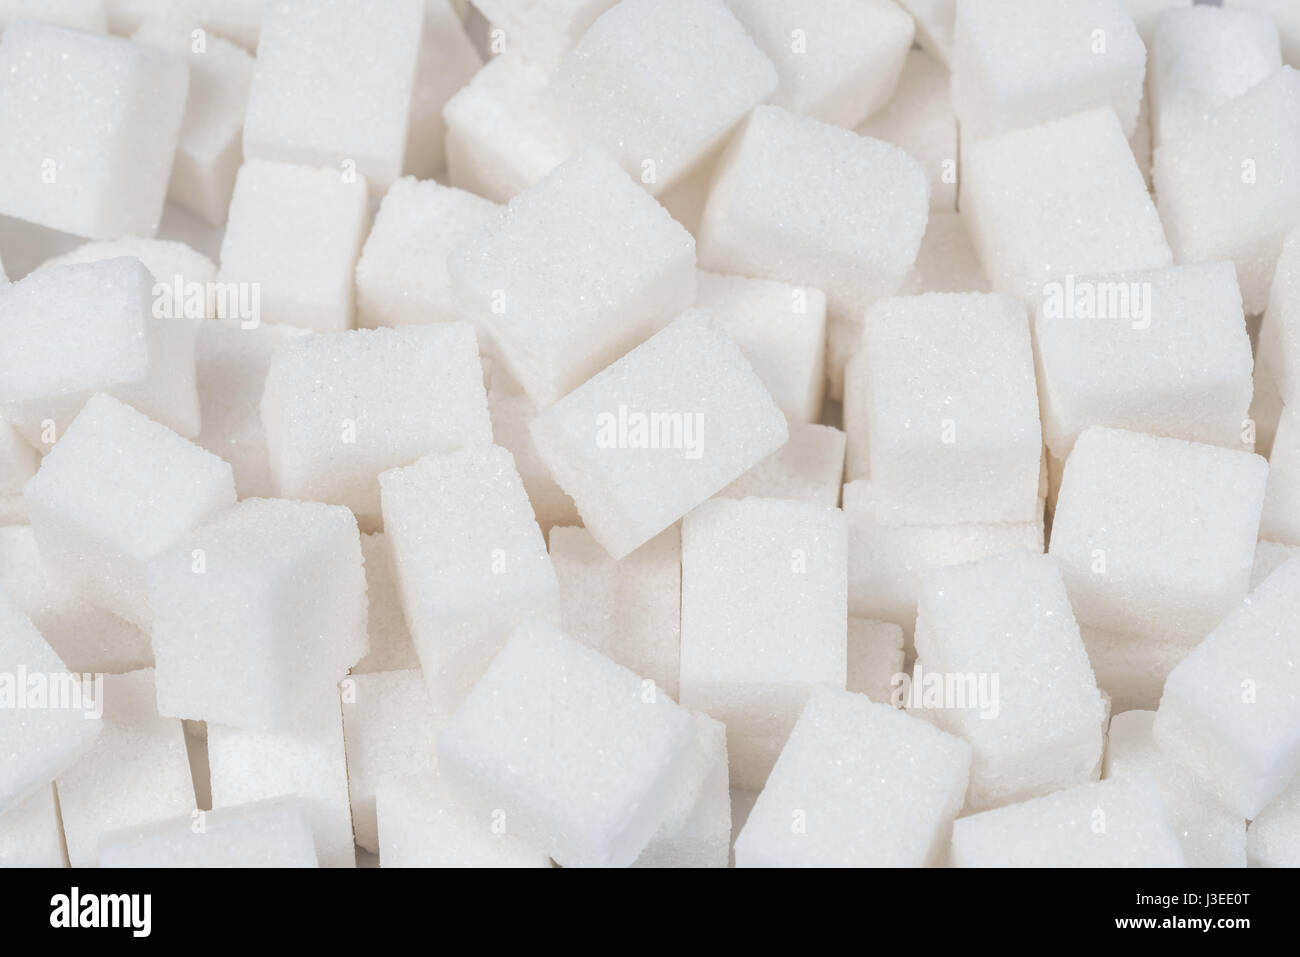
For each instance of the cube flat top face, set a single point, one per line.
(389, 727)
(1065, 198)
(126, 480)
(75, 327)
(333, 82)
(660, 83)
(847, 752)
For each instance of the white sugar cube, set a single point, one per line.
(306, 761)
(659, 431)
(512, 413)
(808, 468)
(30, 834)
(660, 84)
(258, 613)
(262, 834)
(579, 755)
(1117, 823)
(1210, 834)
(333, 84)
(339, 409)
(85, 15)
(1274, 836)
(1132, 668)
(1164, 352)
(852, 229)
(1018, 63)
(1167, 556)
(875, 657)
(560, 303)
(1230, 189)
(1268, 556)
(390, 729)
(1009, 616)
(1279, 332)
(1287, 17)
(764, 611)
(51, 717)
(294, 236)
(471, 562)
(402, 275)
(1231, 709)
(137, 772)
(921, 120)
(697, 830)
(836, 60)
(446, 61)
(116, 490)
(1280, 521)
(629, 610)
(391, 648)
(87, 639)
(847, 753)
(88, 126)
(1042, 204)
(781, 330)
(543, 29)
(164, 258)
(71, 331)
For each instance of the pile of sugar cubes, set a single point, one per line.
(660, 433)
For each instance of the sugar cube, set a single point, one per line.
(1274, 836)
(471, 562)
(1268, 556)
(1279, 332)
(261, 834)
(543, 29)
(1132, 668)
(1167, 556)
(875, 657)
(1230, 189)
(333, 84)
(847, 753)
(391, 648)
(446, 61)
(1280, 521)
(579, 755)
(339, 409)
(934, 24)
(1121, 822)
(512, 413)
(1231, 709)
(294, 236)
(808, 468)
(164, 258)
(79, 329)
(1042, 203)
(629, 610)
(1287, 17)
(116, 490)
(697, 830)
(88, 126)
(560, 303)
(30, 834)
(660, 84)
(258, 612)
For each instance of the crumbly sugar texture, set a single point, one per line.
(808, 468)
(875, 658)
(261, 834)
(30, 833)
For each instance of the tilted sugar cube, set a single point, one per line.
(1009, 616)
(875, 657)
(1280, 521)
(808, 468)
(559, 302)
(1201, 58)
(543, 30)
(1274, 836)
(30, 833)
(1164, 352)
(579, 755)
(257, 613)
(137, 772)
(50, 717)
(660, 84)
(1268, 557)
(164, 258)
(659, 431)
(446, 61)
(116, 490)
(697, 830)
(85, 15)
(390, 730)
(471, 562)
(1279, 332)
(261, 834)
(88, 126)
(1230, 189)
(1210, 834)
(294, 236)
(934, 24)
(630, 609)
(402, 277)
(1168, 556)
(1132, 668)
(847, 753)
(333, 84)
(306, 761)
(421, 824)
(920, 119)
(1042, 203)
(88, 639)
(1231, 709)
(853, 228)
(781, 329)
(836, 60)
(512, 413)
(764, 611)
(1287, 18)
(391, 648)
(71, 331)
(1121, 822)
(1019, 63)
(339, 409)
